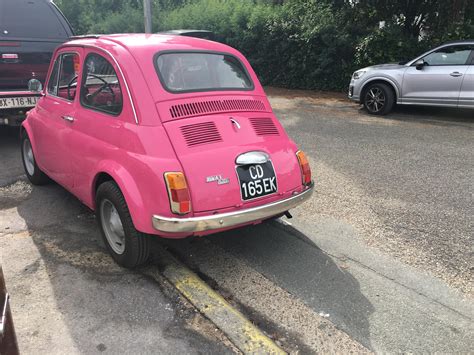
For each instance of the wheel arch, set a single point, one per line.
(25, 129)
(380, 80)
(111, 171)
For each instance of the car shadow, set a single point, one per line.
(97, 305)
(443, 116)
(292, 261)
(11, 168)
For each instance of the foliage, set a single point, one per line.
(311, 44)
(387, 45)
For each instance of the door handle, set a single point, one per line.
(455, 74)
(68, 118)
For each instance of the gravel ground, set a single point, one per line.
(405, 181)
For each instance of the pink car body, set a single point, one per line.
(200, 134)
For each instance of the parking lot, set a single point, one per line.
(379, 260)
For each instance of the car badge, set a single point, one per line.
(220, 180)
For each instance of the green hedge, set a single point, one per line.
(296, 45)
(307, 44)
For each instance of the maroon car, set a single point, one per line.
(30, 30)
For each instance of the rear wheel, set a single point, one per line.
(378, 99)
(32, 171)
(128, 247)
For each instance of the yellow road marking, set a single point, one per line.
(243, 334)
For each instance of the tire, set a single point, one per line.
(128, 247)
(378, 99)
(32, 170)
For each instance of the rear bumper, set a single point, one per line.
(14, 116)
(231, 219)
(19, 93)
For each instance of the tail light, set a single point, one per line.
(178, 193)
(305, 169)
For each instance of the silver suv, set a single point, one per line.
(444, 76)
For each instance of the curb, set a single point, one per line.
(241, 332)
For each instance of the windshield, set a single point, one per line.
(198, 71)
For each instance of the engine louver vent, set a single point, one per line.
(201, 133)
(213, 106)
(264, 126)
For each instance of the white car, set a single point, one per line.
(444, 76)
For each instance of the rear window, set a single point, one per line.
(199, 71)
(30, 19)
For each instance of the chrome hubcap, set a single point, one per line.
(112, 225)
(375, 99)
(28, 157)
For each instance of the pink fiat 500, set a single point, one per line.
(164, 135)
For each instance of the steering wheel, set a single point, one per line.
(106, 85)
(69, 84)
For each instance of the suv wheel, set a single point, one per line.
(128, 247)
(32, 171)
(378, 99)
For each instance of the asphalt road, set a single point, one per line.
(406, 182)
(379, 260)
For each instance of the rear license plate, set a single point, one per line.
(18, 102)
(256, 180)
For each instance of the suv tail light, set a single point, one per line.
(305, 169)
(178, 192)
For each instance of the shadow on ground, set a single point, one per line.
(293, 262)
(11, 168)
(442, 116)
(92, 304)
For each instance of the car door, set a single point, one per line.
(102, 122)
(439, 81)
(466, 96)
(56, 113)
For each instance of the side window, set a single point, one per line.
(53, 78)
(453, 55)
(63, 79)
(100, 86)
(68, 76)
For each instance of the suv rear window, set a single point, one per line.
(30, 19)
(201, 71)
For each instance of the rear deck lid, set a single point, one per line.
(208, 147)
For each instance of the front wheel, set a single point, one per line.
(128, 247)
(378, 99)
(32, 170)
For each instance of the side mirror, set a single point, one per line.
(34, 85)
(419, 64)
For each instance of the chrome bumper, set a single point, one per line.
(230, 219)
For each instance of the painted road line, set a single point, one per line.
(243, 333)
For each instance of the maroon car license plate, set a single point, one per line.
(257, 180)
(18, 102)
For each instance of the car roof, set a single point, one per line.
(140, 42)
